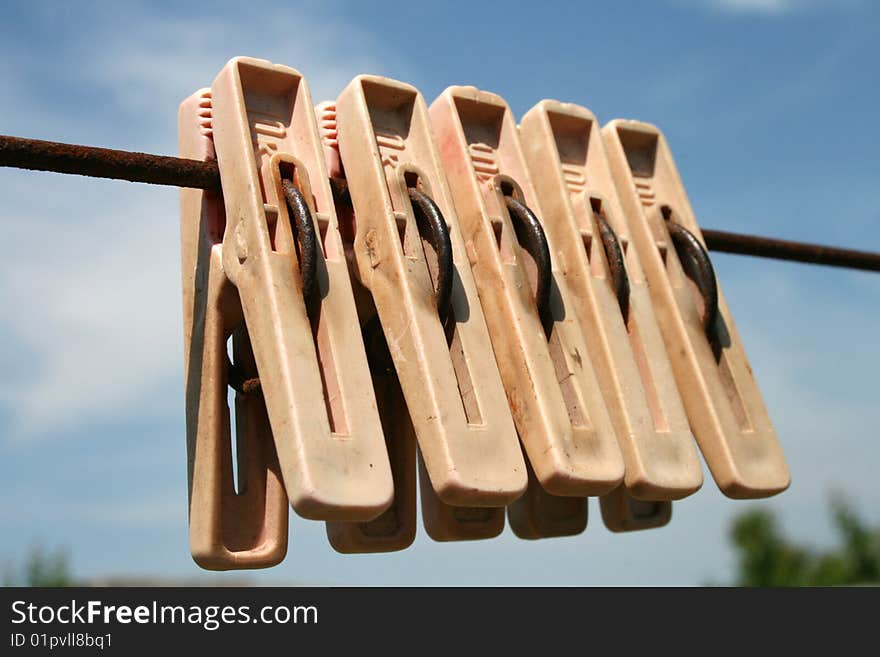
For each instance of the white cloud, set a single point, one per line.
(91, 299)
(173, 56)
(765, 7)
(759, 6)
(91, 290)
(160, 510)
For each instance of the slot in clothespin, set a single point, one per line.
(283, 252)
(723, 403)
(425, 297)
(550, 384)
(585, 225)
(228, 529)
(395, 528)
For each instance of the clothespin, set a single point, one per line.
(425, 298)
(440, 519)
(724, 405)
(586, 229)
(227, 529)
(551, 387)
(395, 528)
(283, 253)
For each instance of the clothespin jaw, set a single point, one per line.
(551, 387)
(623, 513)
(296, 294)
(724, 405)
(538, 514)
(586, 228)
(228, 530)
(440, 350)
(444, 522)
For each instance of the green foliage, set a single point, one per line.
(767, 558)
(41, 569)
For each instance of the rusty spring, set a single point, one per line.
(698, 267)
(433, 229)
(303, 227)
(531, 236)
(616, 265)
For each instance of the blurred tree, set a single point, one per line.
(766, 558)
(41, 568)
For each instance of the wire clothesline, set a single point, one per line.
(38, 155)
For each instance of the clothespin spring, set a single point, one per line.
(697, 265)
(531, 236)
(432, 228)
(616, 267)
(303, 227)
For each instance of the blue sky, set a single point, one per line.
(770, 107)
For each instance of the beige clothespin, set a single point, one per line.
(227, 529)
(296, 294)
(550, 383)
(426, 300)
(395, 528)
(724, 405)
(586, 228)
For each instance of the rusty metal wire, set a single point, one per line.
(769, 247)
(38, 155)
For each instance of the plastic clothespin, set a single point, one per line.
(425, 298)
(227, 530)
(296, 295)
(724, 405)
(551, 387)
(586, 227)
(395, 528)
